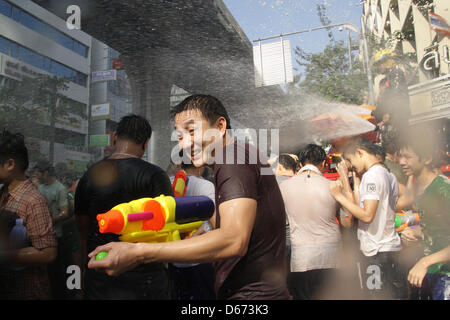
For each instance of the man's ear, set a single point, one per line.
(114, 139)
(359, 152)
(427, 160)
(145, 144)
(322, 166)
(280, 168)
(221, 124)
(9, 165)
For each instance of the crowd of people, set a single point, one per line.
(293, 234)
(34, 266)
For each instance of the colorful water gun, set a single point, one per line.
(331, 164)
(179, 184)
(159, 219)
(405, 219)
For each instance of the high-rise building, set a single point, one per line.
(34, 41)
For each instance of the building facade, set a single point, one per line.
(33, 42)
(407, 23)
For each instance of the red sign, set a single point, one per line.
(117, 64)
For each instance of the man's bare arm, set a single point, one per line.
(237, 217)
(365, 214)
(418, 272)
(29, 256)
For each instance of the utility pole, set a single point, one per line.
(349, 45)
(349, 26)
(367, 63)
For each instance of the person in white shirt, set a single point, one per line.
(194, 281)
(374, 207)
(315, 235)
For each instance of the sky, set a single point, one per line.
(265, 18)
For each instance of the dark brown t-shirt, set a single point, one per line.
(260, 273)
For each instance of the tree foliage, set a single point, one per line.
(32, 106)
(327, 74)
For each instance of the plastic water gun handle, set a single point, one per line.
(406, 219)
(179, 184)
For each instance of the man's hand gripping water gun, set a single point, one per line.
(153, 220)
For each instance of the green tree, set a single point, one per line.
(32, 106)
(327, 74)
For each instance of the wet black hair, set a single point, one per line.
(45, 166)
(134, 128)
(210, 107)
(287, 162)
(424, 142)
(380, 151)
(363, 143)
(12, 146)
(312, 154)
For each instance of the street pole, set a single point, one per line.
(345, 24)
(349, 44)
(367, 63)
(348, 26)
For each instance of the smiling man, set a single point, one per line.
(432, 200)
(248, 241)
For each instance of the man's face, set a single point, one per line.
(42, 177)
(356, 162)
(6, 170)
(3, 173)
(196, 137)
(410, 162)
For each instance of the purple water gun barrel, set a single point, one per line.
(193, 208)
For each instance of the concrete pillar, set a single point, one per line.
(151, 75)
(158, 113)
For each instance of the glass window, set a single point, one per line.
(16, 13)
(43, 28)
(65, 41)
(74, 76)
(31, 22)
(81, 49)
(31, 57)
(5, 8)
(47, 62)
(61, 71)
(81, 79)
(4, 45)
(14, 50)
(49, 32)
(55, 69)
